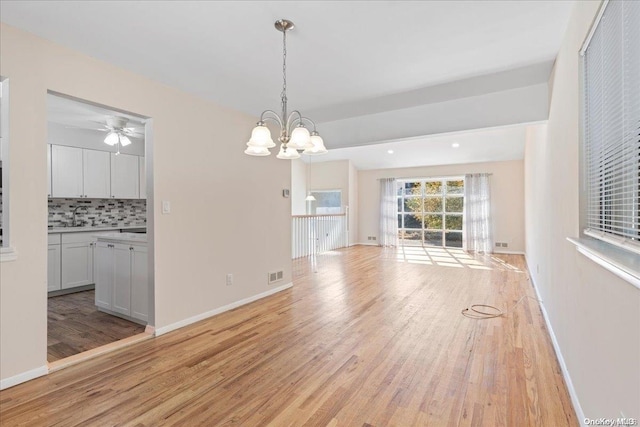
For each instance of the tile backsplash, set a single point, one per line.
(98, 212)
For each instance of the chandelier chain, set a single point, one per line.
(283, 95)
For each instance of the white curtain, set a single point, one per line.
(388, 212)
(477, 234)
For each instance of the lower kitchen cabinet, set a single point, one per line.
(122, 285)
(53, 267)
(139, 283)
(77, 264)
(122, 279)
(104, 274)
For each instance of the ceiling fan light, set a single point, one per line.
(300, 138)
(287, 153)
(257, 151)
(111, 138)
(124, 140)
(261, 137)
(317, 145)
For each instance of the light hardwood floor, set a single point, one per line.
(75, 325)
(373, 338)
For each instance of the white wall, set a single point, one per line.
(507, 197)
(218, 194)
(353, 204)
(298, 186)
(334, 175)
(594, 315)
(338, 175)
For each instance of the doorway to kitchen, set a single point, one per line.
(100, 229)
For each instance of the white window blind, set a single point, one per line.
(612, 125)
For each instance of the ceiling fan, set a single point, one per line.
(118, 132)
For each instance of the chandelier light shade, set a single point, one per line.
(294, 135)
(317, 145)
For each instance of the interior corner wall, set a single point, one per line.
(593, 314)
(507, 197)
(198, 165)
(353, 204)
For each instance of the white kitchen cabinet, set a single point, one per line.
(122, 279)
(104, 274)
(96, 166)
(81, 173)
(124, 176)
(77, 264)
(139, 283)
(122, 286)
(143, 177)
(49, 170)
(53, 267)
(66, 171)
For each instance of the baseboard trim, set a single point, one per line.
(367, 244)
(186, 322)
(23, 377)
(556, 346)
(509, 252)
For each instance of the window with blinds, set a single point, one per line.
(612, 125)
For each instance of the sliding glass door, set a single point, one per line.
(430, 212)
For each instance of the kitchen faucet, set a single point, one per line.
(75, 221)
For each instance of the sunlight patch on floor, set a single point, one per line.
(449, 257)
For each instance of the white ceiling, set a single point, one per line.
(486, 145)
(352, 63)
(76, 114)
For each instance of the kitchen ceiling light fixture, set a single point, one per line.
(117, 133)
(294, 136)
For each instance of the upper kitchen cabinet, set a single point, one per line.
(48, 170)
(124, 176)
(82, 173)
(96, 174)
(143, 177)
(76, 172)
(66, 171)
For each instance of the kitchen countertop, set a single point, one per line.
(132, 238)
(85, 229)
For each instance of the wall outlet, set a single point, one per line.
(275, 276)
(229, 279)
(371, 238)
(166, 207)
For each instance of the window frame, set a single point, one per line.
(626, 243)
(423, 196)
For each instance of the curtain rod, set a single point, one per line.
(430, 178)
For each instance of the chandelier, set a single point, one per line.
(294, 136)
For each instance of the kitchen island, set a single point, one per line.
(122, 285)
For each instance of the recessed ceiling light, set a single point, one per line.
(390, 151)
(455, 145)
